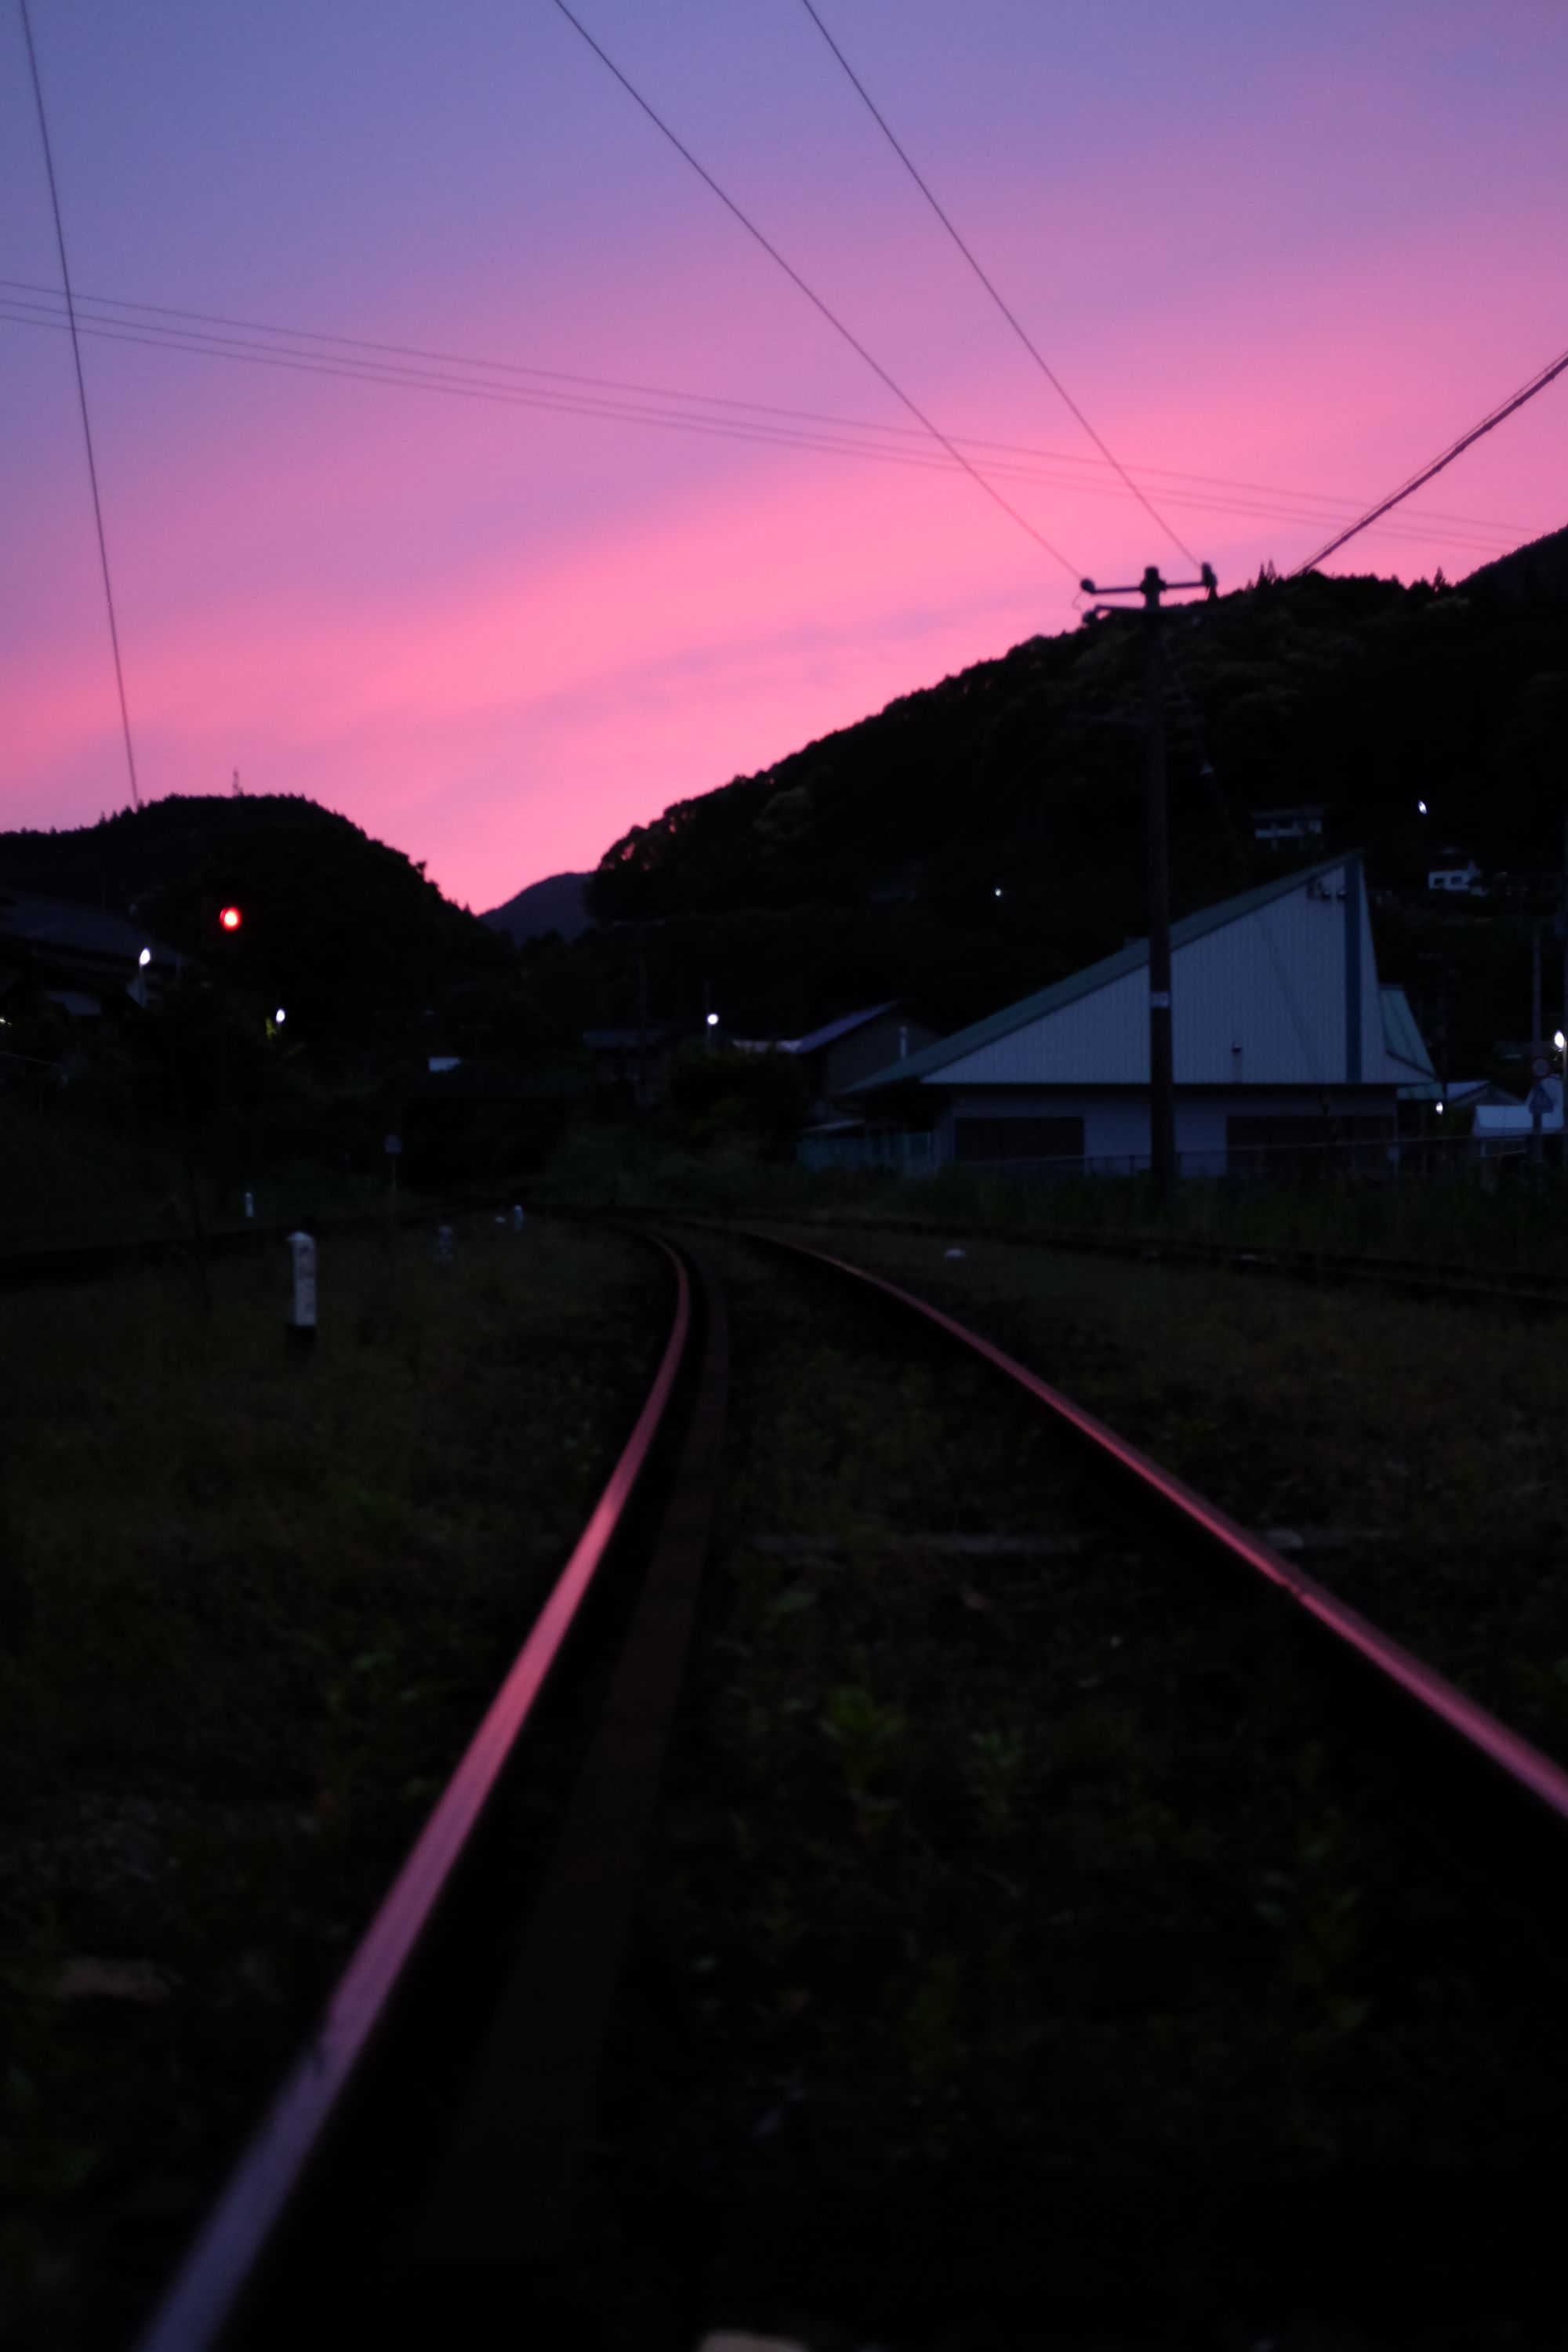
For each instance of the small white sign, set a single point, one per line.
(1159, 1000)
(304, 1249)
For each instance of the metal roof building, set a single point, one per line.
(1284, 1039)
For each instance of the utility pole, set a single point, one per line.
(642, 1017)
(1161, 1064)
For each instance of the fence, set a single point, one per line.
(1385, 1160)
(910, 1155)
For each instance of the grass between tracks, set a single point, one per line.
(250, 1608)
(1507, 1217)
(995, 1856)
(1414, 1449)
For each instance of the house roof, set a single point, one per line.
(831, 1030)
(1094, 976)
(58, 926)
(1406, 1046)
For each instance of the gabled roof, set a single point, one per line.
(1404, 1044)
(1094, 976)
(831, 1030)
(60, 927)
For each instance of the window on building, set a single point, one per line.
(987, 1140)
(1294, 1145)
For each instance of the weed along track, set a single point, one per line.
(1048, 1934)
(1059, 1922)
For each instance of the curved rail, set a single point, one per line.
(1521, 1763)
(1431, 1277)
(218, 2271)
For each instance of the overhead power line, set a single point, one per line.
(834, 321)
(1515, 400)
(81, 396)
(355, 359)
(357, 344)
(1035, 353)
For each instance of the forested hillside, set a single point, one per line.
(984, 836)
(346, 931)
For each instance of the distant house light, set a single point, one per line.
(145, 957)
(280, 1016)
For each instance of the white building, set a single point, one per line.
(1456, 873)
(1284, 1039)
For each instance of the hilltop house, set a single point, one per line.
(84, 960)
(1453, 871)
(1284, 1039)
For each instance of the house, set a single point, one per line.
(1284, 1040)
(842, 1052)
(85, 959)
(1454, 872)
(1479, 1094)
(1508, 1126)
(636, 1060)
(1285, 825)
(1405, 1045)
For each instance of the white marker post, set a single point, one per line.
(445, 1245)
(393, 1150)
(517, 1216)
(300, 1327)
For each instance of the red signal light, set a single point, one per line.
(229, 918)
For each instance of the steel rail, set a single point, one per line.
(1521, 1764)
(1436, 1277)
(218, 2274)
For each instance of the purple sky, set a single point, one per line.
(1295, 244)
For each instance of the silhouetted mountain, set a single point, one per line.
(1539, 568)
(553, 905)
(345, 932)
(984, 837)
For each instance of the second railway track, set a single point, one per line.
(1059, 1923)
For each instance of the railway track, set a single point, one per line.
(1062, 1915)
(1449, 1279)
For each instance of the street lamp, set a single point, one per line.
(145, 957)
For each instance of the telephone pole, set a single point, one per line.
(1162, 1066)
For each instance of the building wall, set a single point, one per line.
(871, 1047)
(1115, 1118)
(1285, 996)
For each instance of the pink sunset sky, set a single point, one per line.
(1281, 252)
